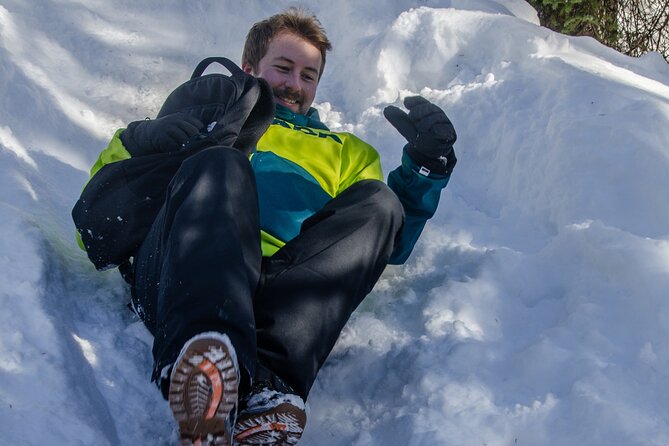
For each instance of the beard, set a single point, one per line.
(286, 93)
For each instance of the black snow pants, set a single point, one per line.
(201, 269)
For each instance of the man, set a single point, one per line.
(254, 265)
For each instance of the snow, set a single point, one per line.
(533, 311)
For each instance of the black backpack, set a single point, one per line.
(121, 201)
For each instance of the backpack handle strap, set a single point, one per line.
(227, 63)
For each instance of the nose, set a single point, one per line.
(293, 81)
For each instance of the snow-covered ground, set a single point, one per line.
(534, 310)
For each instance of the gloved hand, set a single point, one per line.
(162, 135)
(429, 132)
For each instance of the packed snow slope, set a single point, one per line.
(533, 311)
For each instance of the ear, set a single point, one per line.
(248, 69)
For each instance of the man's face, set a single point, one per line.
(291, 67)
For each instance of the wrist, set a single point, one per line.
(428, 164)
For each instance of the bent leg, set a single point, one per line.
(199, 267)
(312, 285)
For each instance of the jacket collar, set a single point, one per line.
(311, 119)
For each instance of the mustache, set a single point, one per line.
(288, 94)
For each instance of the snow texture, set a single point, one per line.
(533, 311)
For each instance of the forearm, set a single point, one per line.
(419, 195)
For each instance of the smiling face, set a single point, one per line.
(291, 66)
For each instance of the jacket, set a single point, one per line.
(300, 165)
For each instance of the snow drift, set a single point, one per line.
(534, 309)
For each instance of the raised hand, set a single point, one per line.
(428, 130)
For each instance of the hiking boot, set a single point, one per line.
(270, 418)
(204, 389)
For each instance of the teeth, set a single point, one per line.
(289, 101)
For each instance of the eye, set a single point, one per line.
(281, 68)
(309, 77)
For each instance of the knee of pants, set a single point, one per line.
(383, 202)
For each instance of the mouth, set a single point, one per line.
(288, 101)
(292, 101)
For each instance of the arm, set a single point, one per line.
(427, 163)
(419, 195)
(141, 138)
(147, 137)
(115, 151)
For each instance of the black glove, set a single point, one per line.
(162, 135)
(429, 132)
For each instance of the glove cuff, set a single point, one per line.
(440, 166)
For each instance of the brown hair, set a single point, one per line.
(295, 20)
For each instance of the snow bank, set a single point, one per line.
(533, 311)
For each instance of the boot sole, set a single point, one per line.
(282, 425)
(203, 391)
